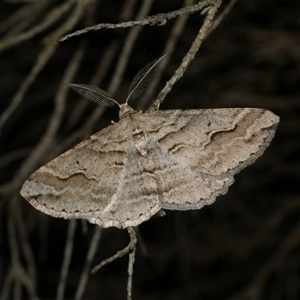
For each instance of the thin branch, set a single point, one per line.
(220, 17)
(170, 45)
(188, 57)
(133, 241)
(159, 20)
(121, 253)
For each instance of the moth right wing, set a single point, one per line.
(103, 179)
(214, 141)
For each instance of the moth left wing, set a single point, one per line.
(199, 151)
(213, 141)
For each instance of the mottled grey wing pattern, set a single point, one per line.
(201, 150)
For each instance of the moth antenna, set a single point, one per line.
(142, 79)
(93, 93)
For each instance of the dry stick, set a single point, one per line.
(41, 61)
(86, 270)
(130, 248)
(188, 57)
(52, 17)
(119, 254)
(178, 27)
(220, 18)
(67, 259)
(133, 241)
(170, 45)
(159, 19)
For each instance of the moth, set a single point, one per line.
(167, 159)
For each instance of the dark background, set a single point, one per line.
(244, 246)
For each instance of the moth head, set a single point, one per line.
(125, 110)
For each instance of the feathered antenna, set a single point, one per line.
(138, 85)
(93, 93)
(142, 79)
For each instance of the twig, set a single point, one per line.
(159, 20)
(170, 45)
(120, 253)
(220, 17)
(130, 248)
(133, 241)
(188, 57)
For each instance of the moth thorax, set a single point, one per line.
(125, 110)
